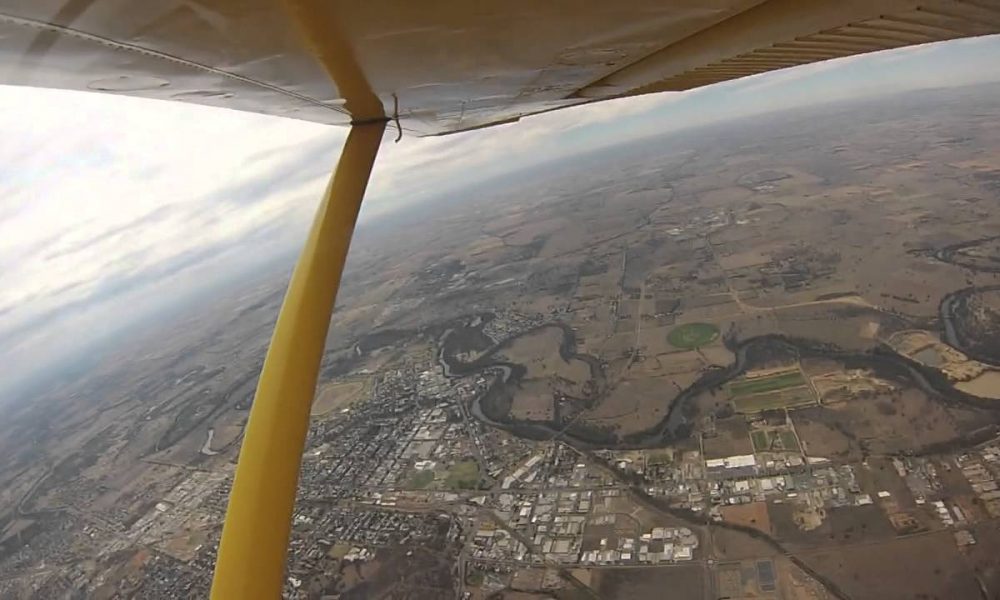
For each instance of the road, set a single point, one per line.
(560, 568)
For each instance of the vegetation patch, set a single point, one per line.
(757, 385)
(692, 335)
(794, 398)
(475, 578)
(463, 475)
(339, 550)
(788, 441)
(421, 479)
(774, 441)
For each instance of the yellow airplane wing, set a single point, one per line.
(445, 65)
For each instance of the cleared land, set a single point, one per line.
(338, 395)
(753, 515)
(894, 569)
(685, 581)
(547, 373)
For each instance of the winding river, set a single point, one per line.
(678, 422)
(952, 336)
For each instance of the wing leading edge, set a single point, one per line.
(450, 65)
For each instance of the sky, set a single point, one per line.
(112, 208)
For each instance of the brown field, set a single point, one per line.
(902, 420)
(547, 374)
(527, 580)
(796, 584)
(842, 386)
(594, 533)
(721, 313)
(338, 395)
(895, 423)
(533, 401)
(982, 557)
(930, 565)
(841, 526)
(729, 580)
(744, 259)
(844, 332)
(688, 361)
(539, 353)
(183, 545)
(634, 404)
(717, 355)
(686, 581)
(733, 437)
(226, 435)
(952, 481)
(753, 515)
(822, 439)
(734, 545)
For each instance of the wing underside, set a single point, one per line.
(449, 65)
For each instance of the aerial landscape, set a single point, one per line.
(754, 359)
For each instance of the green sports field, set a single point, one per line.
(745, 387)
(692, 335)
(463, 475)
(765, 441)
(761, 402)
(421, 479)
(781, 390)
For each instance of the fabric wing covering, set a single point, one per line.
(447, 65)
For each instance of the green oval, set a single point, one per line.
(692, 335)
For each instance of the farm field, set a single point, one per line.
(786, 389)
(791, 398)
(770, 441)
(770, 383)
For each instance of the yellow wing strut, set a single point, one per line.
(251, 561)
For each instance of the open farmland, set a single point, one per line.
(895, 568)
(767, 384)
(685, 581)
(794, 398)
(787, 389)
